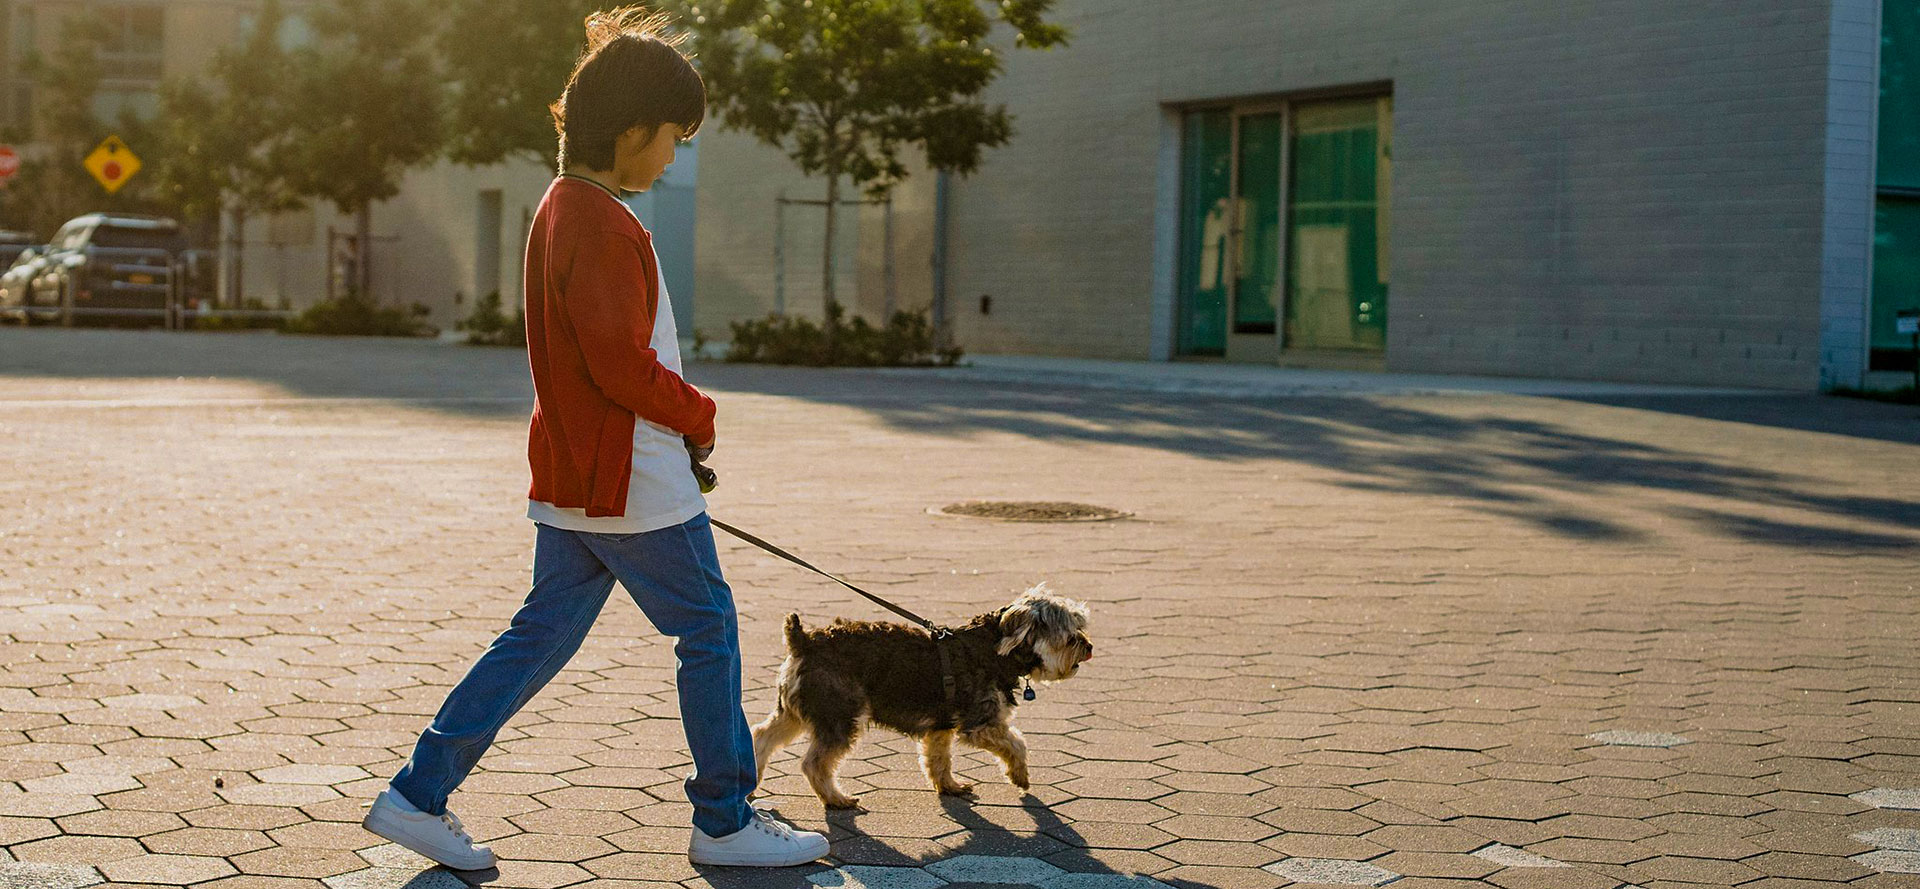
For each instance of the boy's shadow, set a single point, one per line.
(1052, 840)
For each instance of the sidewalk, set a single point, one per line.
(1255, 381)
(1480, 640)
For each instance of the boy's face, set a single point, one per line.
(639, 156)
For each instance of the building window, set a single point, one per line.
(1896, 232)
(135, 42)
(1284, 224)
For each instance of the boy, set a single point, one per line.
(612, 494)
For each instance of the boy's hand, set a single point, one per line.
(700, 452)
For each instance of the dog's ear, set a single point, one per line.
(1015, 623)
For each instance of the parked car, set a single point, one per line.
(13, 243)
(16, 286)
(109, 265)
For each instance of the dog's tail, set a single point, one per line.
(796, 634)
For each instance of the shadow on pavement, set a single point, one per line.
(1462, 448)
(1493, 453)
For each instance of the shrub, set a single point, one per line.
(352, 315)
(905, 341)
(241, 322)
(1908, 395)
(488, 326)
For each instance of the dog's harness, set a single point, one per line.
(939, 633)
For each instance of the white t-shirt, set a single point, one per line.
(663, 492)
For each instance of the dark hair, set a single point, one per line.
(630, 74)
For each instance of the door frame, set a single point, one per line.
(1252, 347)
(1257, 345)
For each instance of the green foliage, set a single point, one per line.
(906, 341)
(489, 326)
(504, 61)
(218, 138)
(53, 188)
(369, 103)
(352, 315)
(1908, 395)
(240, 322)
(842, 85)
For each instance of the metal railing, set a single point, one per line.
(175, 312)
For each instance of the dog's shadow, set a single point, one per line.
(1052, 839)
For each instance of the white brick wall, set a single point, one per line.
(1619, 189)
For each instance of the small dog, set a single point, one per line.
(842, 676)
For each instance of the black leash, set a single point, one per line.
(923, 622)
(939, 633)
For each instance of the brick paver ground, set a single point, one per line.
(1464, 641)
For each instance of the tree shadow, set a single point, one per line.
(1555, 476)
(1546, 474)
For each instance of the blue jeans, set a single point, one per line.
(673, 574)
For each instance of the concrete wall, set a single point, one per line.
(1627, 189)
(738, 274)
(426, 241)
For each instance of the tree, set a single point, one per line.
(54, 187)
(370, 107)
(842, 86)
(497, 101)
(217, 142)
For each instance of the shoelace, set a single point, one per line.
(452, 822)
(764, 820)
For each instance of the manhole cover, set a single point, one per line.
(1032, 511)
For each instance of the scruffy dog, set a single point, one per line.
(839, 677)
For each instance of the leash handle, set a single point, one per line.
(774, 550)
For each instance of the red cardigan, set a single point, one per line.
(591, 294)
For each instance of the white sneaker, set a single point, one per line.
(766, 842)
(440, 838)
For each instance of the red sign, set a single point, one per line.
(9, 163)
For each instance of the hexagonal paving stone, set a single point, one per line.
(396, 878)
(167, 869)
(985, 869)
(1638, 739)
(151, 702)
(310, 774)
(1103, 881)
(80, 784)
(1890, 862)
(1898, 839)
(860, 876)
(1889, 798)
(1332, 870)
(30, 875)
(393, 855)
(1508, 856)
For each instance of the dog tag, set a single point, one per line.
(1029, 695)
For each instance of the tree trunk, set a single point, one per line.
(829, 303)
(363, 252)
(826, 281)
(237, 243)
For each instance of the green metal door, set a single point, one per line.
(1896, 235)
(1257, 277)
(1206, 199)
(1337, 225)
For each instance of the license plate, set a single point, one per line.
(140, 279)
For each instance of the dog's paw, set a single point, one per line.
(1018, 777)
(958, 788)
(842, 802)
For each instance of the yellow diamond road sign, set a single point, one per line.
(113, 163)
